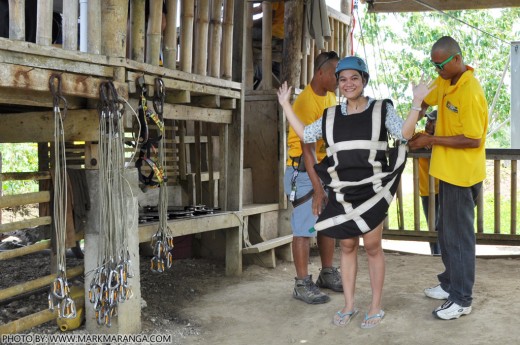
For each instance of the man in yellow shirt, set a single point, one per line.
(459, 162)
(304, 187)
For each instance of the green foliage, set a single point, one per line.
(19, 158)
(397, 49)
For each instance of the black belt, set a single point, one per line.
(303, 199)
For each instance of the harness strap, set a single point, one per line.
(303, 199)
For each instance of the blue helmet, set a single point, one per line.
(355, 63)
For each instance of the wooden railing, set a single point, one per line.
(502, 166)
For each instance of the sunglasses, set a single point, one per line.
(440, 65)
(332, 55)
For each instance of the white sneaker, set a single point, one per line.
(436, 292)
(451, 310)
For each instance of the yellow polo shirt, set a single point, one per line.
(309, 107)
(462, 109)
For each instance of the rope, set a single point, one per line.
(492, 107)
(459, 20)
(59, 295)
(364, 50)
(109, 285)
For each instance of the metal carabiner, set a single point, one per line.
(58, 288)
(159, 247)
(159, 96)
(169, 260)
(56, 91)
(113, 279)
(50, 301)
(68, 308)
(154, 263)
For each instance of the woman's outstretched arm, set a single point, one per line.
(420, 91)
(284, 96)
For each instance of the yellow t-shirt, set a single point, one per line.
(461, 109)
(424, 178)
(309, 107)
(278, 9)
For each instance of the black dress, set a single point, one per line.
(361, 173)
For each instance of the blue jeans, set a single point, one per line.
(457, 240)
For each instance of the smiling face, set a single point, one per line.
(351, 83)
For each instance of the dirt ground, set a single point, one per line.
(197, 304)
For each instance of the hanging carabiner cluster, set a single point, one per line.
(149, 145)
(162, 241)
(59, 297)
(162, 245)
(108, 288)
(109, 285)
(59, 294)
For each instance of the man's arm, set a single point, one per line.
(457, 141)
(319, 198)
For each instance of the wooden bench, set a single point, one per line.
(267, 251)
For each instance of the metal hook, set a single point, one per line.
(56, 91)
(160, 95)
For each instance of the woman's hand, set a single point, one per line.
(284, 94)
(422, 89)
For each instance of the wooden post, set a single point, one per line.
(247, 67)
(181, 131)
(187, 14)
(416, 197)
(94, 27)
(496, 201)
(197, 165)
(239, 36)
(291, 66)
(514, 186)
(215, 38)
(44, 23)
(227, 40)
(201, 37)
(17, 20)
(114, 15)
(44, 185)
(70, 25)
(267, 46)
(1, 189)
(431, 204)
(137, 13)
(346, 7)
(153, 33)
(170, 36)
(209, 153)
(310, 63)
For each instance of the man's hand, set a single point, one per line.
(319, 200)
(419, 141)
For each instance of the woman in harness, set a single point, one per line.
(361, 180)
